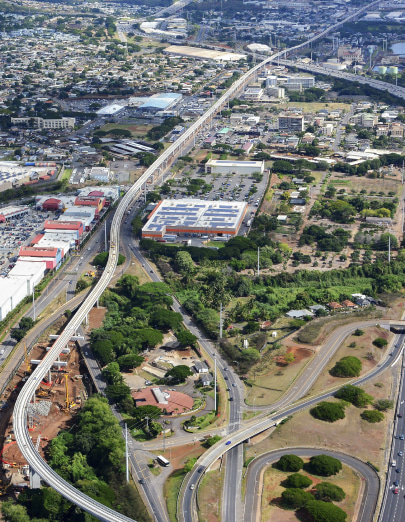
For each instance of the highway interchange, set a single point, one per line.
(238, 434)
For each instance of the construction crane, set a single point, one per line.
(27, 362)
(68, 404)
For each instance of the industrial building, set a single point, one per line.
(111, 193)
(102, 174)
(233, 167)
(7, 213)
(193, 216)
(203, 54)
(19, 283)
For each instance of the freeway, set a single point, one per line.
(319, 69)
(393, 506)
(253, 486)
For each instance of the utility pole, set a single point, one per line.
(164, 438)
(33, 300)
(105, 235)
(215, 383)
(403, 168)
(220, 321)
(258, 262)
(389, 249)
(126, 454)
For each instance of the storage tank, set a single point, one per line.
(382, 69)
(393, 70)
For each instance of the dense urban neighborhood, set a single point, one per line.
(202, 258)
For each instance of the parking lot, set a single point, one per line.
(16, 233)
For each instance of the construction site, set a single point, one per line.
(57, 400)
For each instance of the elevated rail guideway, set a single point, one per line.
(157, 168)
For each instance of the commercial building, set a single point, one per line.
(169, 401)
(74, 228)
(87, 215)
(111, 193)
(193, 216)
(7, 213)
(159, 102)
(109, 110)
(346, 52)
(52, 257)
(203, 54)
(306, 82)
(233, 167)
(42, 123)
(253, 94)
(291, 122)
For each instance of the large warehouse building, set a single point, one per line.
(193, 216)
(203, 54)
(233, 167)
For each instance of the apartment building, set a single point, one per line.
(291, 122)
(41, 123)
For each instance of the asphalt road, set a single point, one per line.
(393, 507)
(253, 494)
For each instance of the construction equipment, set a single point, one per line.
(68, 404)
(27, 361)
(42, 393)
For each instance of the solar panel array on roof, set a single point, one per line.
(196, 215)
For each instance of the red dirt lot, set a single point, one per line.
(47, 427)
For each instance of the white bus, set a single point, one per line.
(162, 461)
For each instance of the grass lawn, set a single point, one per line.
(137, 131)
(171, 490)
(347, 479)
(358, 183)
(66, 175)
(218, 244)
(209, 494)
(135, 269)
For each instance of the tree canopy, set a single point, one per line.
(328, 411)
(348, 366)
(324, 465)
(290, 463)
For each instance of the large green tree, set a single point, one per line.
(290, 463)
(325, 511)
(179, 374)
(324, 465)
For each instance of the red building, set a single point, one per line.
(52, 205)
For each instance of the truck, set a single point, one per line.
(249, 222)
(393, 463)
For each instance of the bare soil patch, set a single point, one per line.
(272, 376)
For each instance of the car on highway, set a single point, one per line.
(227, 443)
(396, 490)
(226, 377)
(234, 384)
(396, 483)
(400, 453)
(402, 437)
(398, 470)
(228, 389)
(399, 415)
(192, 486)
(142, 481)
(231, 398)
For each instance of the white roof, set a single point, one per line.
(110, 109)
(8, 211)
(27, 268)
